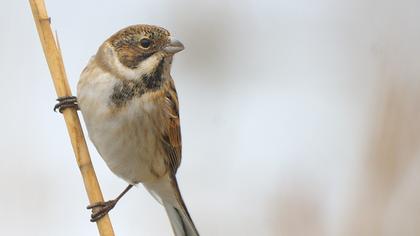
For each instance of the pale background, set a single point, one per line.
(298, 118)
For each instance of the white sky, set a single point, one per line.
(276, 97)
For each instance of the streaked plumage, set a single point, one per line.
(130, 106)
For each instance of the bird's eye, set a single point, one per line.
(145, 43)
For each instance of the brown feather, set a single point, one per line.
(167, 123)
(171, 130)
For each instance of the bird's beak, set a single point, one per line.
(173, 46)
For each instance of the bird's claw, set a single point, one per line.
(100, 209)
(66, 102)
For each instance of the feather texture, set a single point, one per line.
(130, 106)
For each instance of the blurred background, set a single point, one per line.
(298, 118)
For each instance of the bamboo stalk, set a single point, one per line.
(62, 88)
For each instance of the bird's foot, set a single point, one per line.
(66, 102)
(100, 209)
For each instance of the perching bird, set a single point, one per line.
(130, 106)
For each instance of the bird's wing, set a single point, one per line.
(170, 127)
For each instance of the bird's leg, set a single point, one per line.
(100, 209)
(66, 102)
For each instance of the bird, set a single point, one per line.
(129, 104)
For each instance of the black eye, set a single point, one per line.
(145, 43)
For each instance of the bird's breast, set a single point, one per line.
(120, 123)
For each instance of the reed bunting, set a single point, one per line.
(130, 106)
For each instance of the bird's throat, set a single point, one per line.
(127, 89)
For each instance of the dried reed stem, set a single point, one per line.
(58, 74)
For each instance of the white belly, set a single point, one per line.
(126, 138)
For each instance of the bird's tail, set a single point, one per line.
(181, 221)
(166, 191)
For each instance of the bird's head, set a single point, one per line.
(138, 49)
